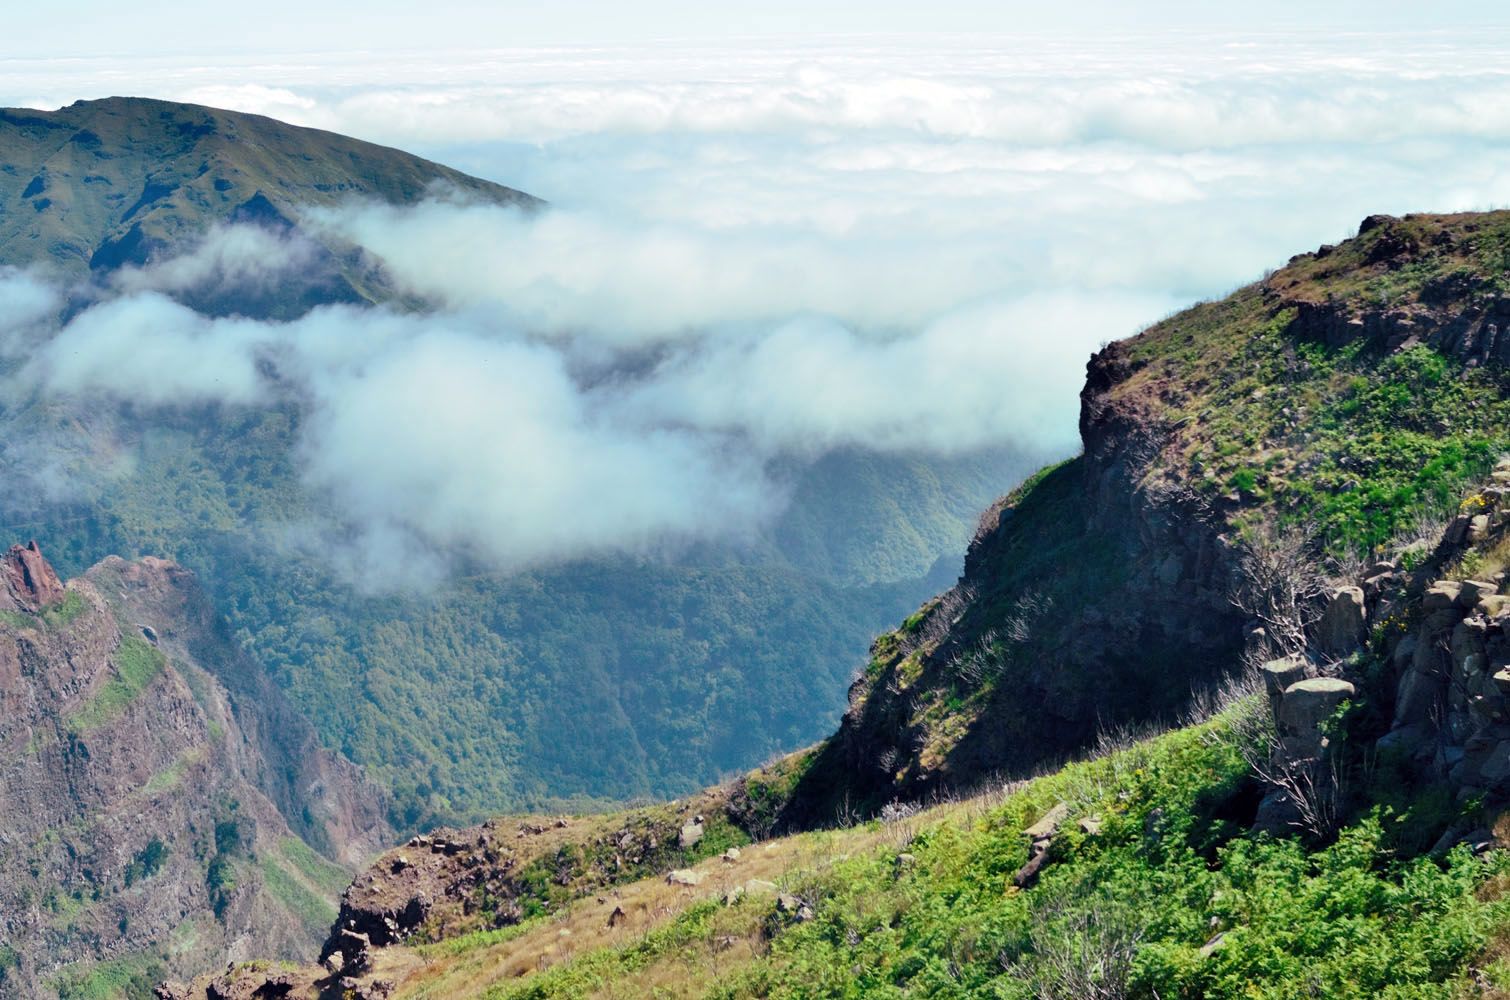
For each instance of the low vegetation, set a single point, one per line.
(1163, 893)
(136, 663)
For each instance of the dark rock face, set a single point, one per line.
(1134, 644)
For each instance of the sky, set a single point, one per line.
(156, 27)
(760, 250)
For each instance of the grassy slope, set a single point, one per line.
(1128, 910)
(1358, 440)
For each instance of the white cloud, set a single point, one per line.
(229, 257)
(149, 349)
(761, 253)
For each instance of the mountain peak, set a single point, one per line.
(126, 181)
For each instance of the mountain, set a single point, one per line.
(162, 806)
(451, 692)
(100, 185)
(1267, 607)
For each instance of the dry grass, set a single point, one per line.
(452, 970)
(584, 927)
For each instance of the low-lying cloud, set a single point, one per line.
(464, 431)
(754, 257)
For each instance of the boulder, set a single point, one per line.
(1343, 625)
(1305, 706)
(1049, 825)
(1280, 674)
(684, 876)
(690, 834)
(1441, 595)
(1415, 698)
(1478, 528)
(1457, 529)
(1470, 592)
(1493, 605)
(759, 887)
(1494, 767)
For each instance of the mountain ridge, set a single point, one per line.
(66, 202)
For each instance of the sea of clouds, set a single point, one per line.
(755, 255)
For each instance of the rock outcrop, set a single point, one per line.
(30, 582)
(1442, 638)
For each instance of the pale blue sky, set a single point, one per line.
(158, 27)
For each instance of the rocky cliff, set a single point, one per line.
(158, 799)
(1327, 407)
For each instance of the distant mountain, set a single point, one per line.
(454, 695)
(127, 181)
(162, 806)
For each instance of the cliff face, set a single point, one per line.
(151, 816)
(1338, 399)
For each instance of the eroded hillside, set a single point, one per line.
(158, 798)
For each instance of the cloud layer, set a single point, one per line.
(758, 255)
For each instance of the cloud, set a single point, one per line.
(983, 376)
(490, 447)
(757, 256)
(228, 258)
(148, 349)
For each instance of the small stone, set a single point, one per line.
(759, 887)
(730, 856)
(1090, 825)
(734, 895)
(690, 835)
(684, 876)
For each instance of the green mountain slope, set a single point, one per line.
(1338, 404)
(454, 693)
(100, 184)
